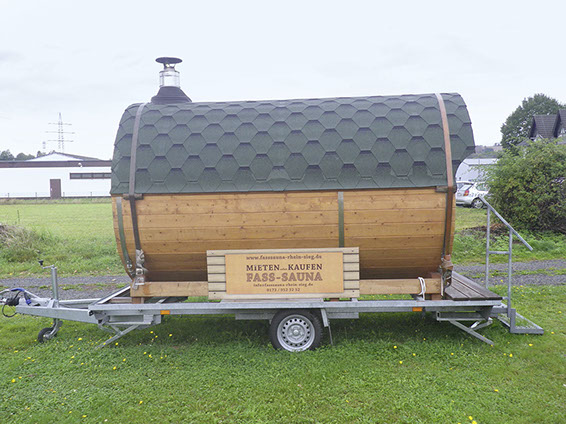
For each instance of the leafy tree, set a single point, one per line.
(23, 156)
(6, 155)
(517, 125)
(529, 187)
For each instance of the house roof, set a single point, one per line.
(59, 156)
(543, 125)
(561, 119)
(312, 144)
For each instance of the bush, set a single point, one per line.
(528, 187)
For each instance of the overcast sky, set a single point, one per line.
(89, 61)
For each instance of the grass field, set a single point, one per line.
(78, 237)
(384, 368)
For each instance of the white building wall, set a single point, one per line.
(472, 169)
(34, 182)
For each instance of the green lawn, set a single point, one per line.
(76, 236)
(469, 245)
(385, 368)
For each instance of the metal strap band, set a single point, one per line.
(447, 247)
(122, 235)
(132, 183)
(340, 219)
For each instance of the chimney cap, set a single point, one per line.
(168, 61)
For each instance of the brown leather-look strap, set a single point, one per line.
(447, 244)
(132, 183)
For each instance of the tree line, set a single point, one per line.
(7, 155)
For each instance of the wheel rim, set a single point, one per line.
(295, 333)
(478, 204)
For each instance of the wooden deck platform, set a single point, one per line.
(462, 288)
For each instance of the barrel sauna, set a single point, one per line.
(372, 172)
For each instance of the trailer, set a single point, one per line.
(295, 324)
(292, 211)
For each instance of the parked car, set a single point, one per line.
(470, 194)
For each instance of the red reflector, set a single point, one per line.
(466, 193)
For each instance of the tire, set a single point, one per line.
(477, 203)
(295, 331)
(43, 334)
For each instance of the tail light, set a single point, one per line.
(467, 193)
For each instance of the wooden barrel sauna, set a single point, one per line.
(370, 172)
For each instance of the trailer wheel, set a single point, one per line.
(295, 331)
(45, 334)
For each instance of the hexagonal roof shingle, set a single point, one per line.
(281, 145)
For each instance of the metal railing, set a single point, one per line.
(508, 252)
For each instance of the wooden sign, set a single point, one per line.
(283, 273)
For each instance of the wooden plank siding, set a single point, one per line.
(399, 231)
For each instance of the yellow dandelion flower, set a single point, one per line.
(451, 354)
(394, 347)
(145, 353)
(470, 417)
(13, 380)
(151, 332)
(510, 355)
(530, 344)
(170, 335)
(116, 344)
(401, 362)
(414, 354)
(114, 368)
(79, 339)
(149, 355)
(495, 390)
(141, 401)
(124, 360)
(474, 422)
(84, 416)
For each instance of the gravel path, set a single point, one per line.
(524, 273)
(550, 273)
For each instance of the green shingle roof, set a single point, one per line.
(313, 144)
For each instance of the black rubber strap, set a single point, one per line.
(132, 183)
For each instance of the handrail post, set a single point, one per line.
(509, 270)
(488, 230)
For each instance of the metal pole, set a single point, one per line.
(54, 284)
(509, 270)
(487, 232)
